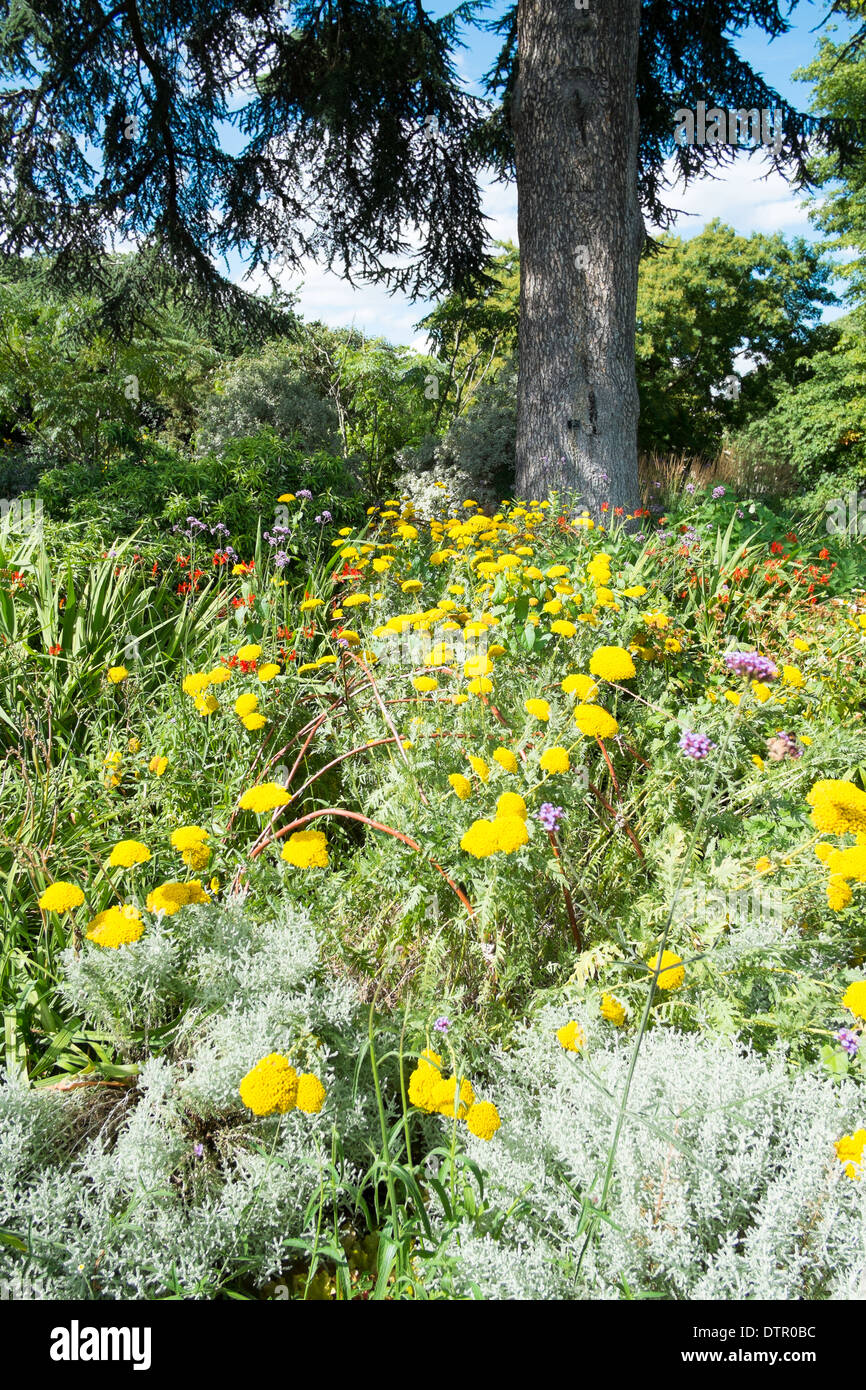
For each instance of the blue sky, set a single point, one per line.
(743, 196)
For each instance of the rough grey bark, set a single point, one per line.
(581, 232)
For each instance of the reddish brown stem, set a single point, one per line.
(626, 827)
(569, 905)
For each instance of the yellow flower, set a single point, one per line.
(595, 722)
(571, 1036)
(838, 807)
(611, 664)
(286, 497)
(761, 692)
(411, 586)
(128, 852)
(854, 999)
(311, 1093)
(792, 675)
(612, 1010)
(506, 759)
(734, 696)
(479, 767)
(555, 760)
(188, 837)
(253, 721)
(539, 709)
(424, 1080)
(271, 1086)
(310, 603)
(157, 765)
(481, 839)
(483, 1120)
(461, 785)
(116, 926)
(443, 1095)
(61, 897)
(510, 830)
(670, 968)
(206, 704)
(251, 652)
(306, 849)
(268, 671)
(219, 675)
(763, 865)
(849, 1151)
(169, 898)
(134, 745)
(356, 600)
(477, 666)
(425, 683)
(267, 796)
(196, 682)
(758, 761)
(511, 804)
(563, 628)
(584, 687)
(245, 704)
(116, 674)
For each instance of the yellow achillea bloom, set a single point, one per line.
(612, 1010)
(128, 852)
(423, 684)
(481, 839)
(169, 898)
(157, 765)
(763, 865)
(188, 836)
(595, 722)
(480, 686)
(268, 671)
(792, 675)
(219, 675)
(443, 1096)
(306, 849)
(461, 785)
(245, 704)
(554, 760)
(823, 850)
(506, 759)
(356, 600)
(251, 652)
(670, 968)
(206, 704)
(758, 761)
(196, 682)
(848, 863)
(254, 721)
(854, 999)
(424, 1079)
(511, 804)
(271, 1087)
(477, 666)
(311, 1094)
(116, 674)
(849, 1151)
(511, 833)
(584, 687)
(483, 1120)
(61, 897)
(411, 586)
(611, 664)
(116, 926)
(479, 767)
(267, 796)
(571, 1036)
(539, 709)
(563, 628)
(838, 808)
(310, 603)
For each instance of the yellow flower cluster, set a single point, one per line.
(169, 898)
(436, 1094)
(274, 1087)
(571, 1036)
(191, 841)
(839, 808)
(670, 968)
(854, 999)
(116, 926)
(504, 835)
(267, 796)
(306, 849)
(611, 664)
(612, 1010)
(61, 897)
(126, 853)
(595, 722)
(849, 1151)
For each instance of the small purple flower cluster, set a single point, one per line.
(690, 487)
(717, 493)
(324, 517)
(695, 746)
(849, 1040)
(752, 665)
(442, 1025)
(194, 528)
(691, 536)
(304, 493)
(550, 815)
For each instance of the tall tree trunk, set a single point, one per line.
(581, 233)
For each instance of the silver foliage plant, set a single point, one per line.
(172, 1184)
(726, 1183)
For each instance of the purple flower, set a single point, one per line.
(324, 517)
(695, 746)
(639, 536)
(690, 487)
(550, 815)
(305, 493)
(442, 1025)
(691, 536)
(198, 1150)
(717, 493)
(849, 1040)
(752, 665)
(281, 559)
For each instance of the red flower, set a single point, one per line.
(823, 554)
(54, 651)
(776, 548)
(605, 506)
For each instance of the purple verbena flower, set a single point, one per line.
(717, 493)
(305, 493)
(442, 1025)
(849, 1040)
(324, 517)
(690, 487)
(281, 559)
(752, 665)
(550, 815)
(695, 746)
